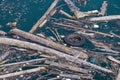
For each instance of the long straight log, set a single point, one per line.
(24, 62)
(33, 46)
(118, 76)
(47, 43)
(45, 17)
(21, 72)
(104, 18)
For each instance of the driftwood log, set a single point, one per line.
(47, 43)
(22, 72)
(45, 17)
(33, 46)
(24, 62)
(104, 18)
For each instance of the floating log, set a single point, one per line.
(24, 62)
(45, 17)
(71, 6)
(113, 59)
(104, 18)
(49, 43)
(66, 14)
(33, 46)
(103, 8)
(118, 76)
(22, 72)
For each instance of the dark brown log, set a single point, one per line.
(49, 43)
(33, 46)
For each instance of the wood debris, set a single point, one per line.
(29, 55)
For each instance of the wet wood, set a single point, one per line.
(33, 46)
(49, 43)
(45, 17)
(22, 72)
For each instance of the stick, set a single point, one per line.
(49, 43)
(104, 18)
(24, 62)
(103, 8)
(66, 14)
(33, 46)
(4, 55)
(71, 5)
(45, 17)
(22, 72)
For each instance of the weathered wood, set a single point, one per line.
(66, 14)
(103, 8)
(104, 18)
(67, 67)
(33, 46)
(71, 6)
(4, 55)
(24, 62)
(45, 17)
(78, 29)
(113, 59)
(22, 72)
(78, 77)
(49, 43)
(118, 76)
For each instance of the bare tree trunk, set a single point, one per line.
(49, 43)
(33, 46)
(45, 17)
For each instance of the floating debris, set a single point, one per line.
(12, 24)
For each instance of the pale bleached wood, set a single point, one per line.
(21, 72)
(104, 18)
(33, 46)
(48, 43)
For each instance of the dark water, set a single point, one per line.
(27, 12)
